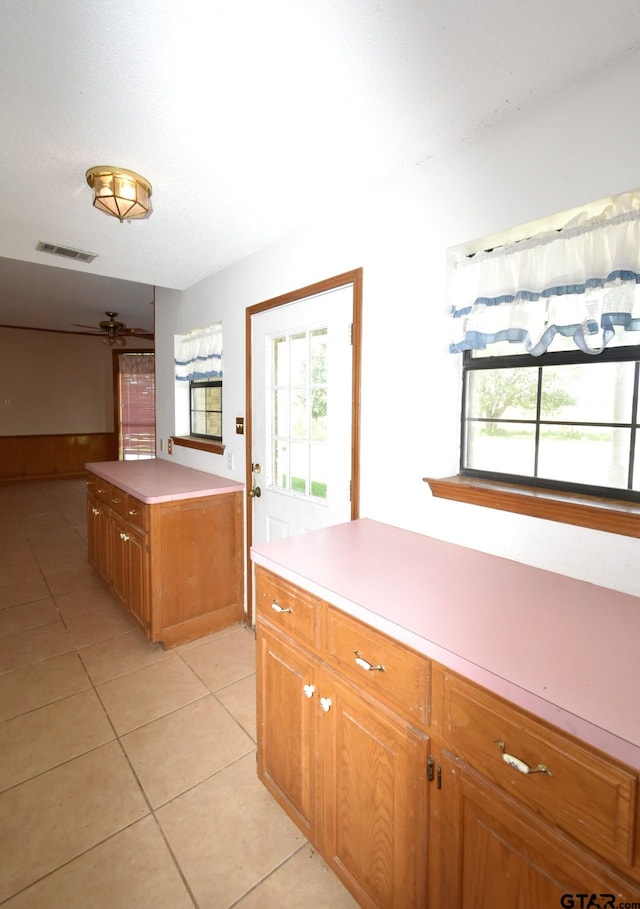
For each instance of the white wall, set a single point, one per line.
(579, 146)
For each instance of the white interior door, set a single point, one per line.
(301, 415)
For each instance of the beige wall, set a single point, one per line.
(55, 383)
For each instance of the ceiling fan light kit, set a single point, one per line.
(114, 331)
(118, 192)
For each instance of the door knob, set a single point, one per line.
(255, 492)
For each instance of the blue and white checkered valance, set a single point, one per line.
(582, 282)
(199, 354)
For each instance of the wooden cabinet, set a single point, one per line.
(423, 789)
(527, 813)
(349, 769)
(175, 565)
(492, 853)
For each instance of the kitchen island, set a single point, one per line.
(168, 540)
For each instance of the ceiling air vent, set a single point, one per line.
(65, 251)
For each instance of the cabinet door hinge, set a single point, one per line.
(147, 547)
(351, 334)
(430, 764)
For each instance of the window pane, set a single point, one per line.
(596, 456)
(318, 456)
(214, 424)
(199, 398)
(213, 398)
(502, 393)
(506, 448)
(591, 393)
(200, 422)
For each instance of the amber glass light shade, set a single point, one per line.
(119, 192)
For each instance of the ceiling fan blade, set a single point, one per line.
(78, 325)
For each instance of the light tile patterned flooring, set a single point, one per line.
(127, 773)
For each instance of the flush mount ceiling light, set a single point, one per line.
(119, 192)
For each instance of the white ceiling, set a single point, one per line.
(248, 117)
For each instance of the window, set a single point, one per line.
(206, 409)
(198, 362)
(136, 406)
(549, 328)
(564, 419)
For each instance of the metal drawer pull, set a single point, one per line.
(95, 510)
(364, 664)
(124, 537)
(309, 690)
(115, 500)
(278, 608)
(325, 703)
(132, 511)
(517, 764)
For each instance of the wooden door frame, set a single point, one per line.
(353, 278)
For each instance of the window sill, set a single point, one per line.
(610, 515)
(200, 444)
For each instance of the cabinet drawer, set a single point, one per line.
(101, 489)
(287, 606)
(379, 665)
(585, 793)
(118, 501)
(137, 513)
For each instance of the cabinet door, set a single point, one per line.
(130, 569)
(138, 577)
(98, 543)
(494, 854)
(374, 772)
(119, 536)
(287, 723)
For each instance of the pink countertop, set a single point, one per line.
(157, 480)
(564, 649)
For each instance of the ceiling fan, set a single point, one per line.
(114, 331)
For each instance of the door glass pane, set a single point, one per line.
(319, 415)
(281, 412)
(299, 462)
(281, 464)
(280, 361)
(298, 427)
(319, 470)
(319, 356)
(298, 353)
